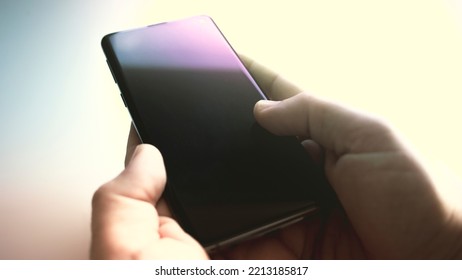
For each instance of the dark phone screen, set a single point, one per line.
(191, 97)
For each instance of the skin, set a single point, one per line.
(390, 208)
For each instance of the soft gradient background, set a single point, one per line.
(63, 126)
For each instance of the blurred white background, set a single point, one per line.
(64, 128)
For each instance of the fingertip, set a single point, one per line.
(246, 60)
(144, 151)
(263, 105)
(147, 159)
(145, 174)
(314, 150)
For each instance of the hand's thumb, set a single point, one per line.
(332, 126)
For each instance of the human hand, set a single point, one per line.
(391, 207)
(125, 221)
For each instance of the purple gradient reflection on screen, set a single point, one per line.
(161, 47)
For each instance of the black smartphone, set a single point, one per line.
(189, 95)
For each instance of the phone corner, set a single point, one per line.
(106, 39)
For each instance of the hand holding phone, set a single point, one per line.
(126, 221)
(189, 95)
(389, 204)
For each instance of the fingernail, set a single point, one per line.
(137, 151)
(265, 104)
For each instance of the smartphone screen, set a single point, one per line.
(189, 95)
